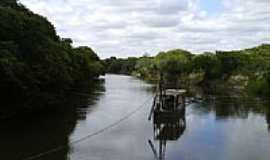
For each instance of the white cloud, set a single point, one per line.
(130, 28)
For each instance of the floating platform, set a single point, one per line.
(168, 104)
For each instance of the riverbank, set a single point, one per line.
(246, 70)
(220, 128)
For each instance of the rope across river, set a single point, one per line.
(61, 147)
(58, 148)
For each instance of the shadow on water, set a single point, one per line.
(227, 105)
(25, 137)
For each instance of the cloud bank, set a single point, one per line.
(125, 28)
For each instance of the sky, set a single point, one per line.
(125, 28)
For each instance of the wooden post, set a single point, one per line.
(161, 89)
(184, 105)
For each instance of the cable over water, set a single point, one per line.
(56, 149)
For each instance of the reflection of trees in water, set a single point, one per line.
(27, 137)
(268, 118)
(86, 95)
(31, 136)
(226, 107)
(225, 104)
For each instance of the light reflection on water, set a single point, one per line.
(218, 128)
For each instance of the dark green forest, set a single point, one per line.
(36, 65)
(39, 67)
(247, 69)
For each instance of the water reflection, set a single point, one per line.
(166, 129)
(233, 107)
(214, 127)
(25, 137)
(268, 118)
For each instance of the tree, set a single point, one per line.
(174, 62)
(231, 62)
(209, 64)
(36, 65)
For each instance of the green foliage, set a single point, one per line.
(253, 63)
(10, 3)
(231, 62)
(259, 62)
(209, 64)
(35, 64)
(113, 65)
(259, 87)
(86, 63)
(120, 66)
(174, 62)
(146, 68)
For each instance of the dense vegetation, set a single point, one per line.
(36, 65)
(120, 66)
(246, 69)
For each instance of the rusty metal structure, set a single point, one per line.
(168, 117)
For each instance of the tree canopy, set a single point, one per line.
(35, 63)
(253, 63)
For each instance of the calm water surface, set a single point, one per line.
(219, 128)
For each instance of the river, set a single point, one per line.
(101, 127)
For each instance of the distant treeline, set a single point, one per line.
(36, 65)
(248, 69)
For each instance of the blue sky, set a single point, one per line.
(212, 7)
(126, 28)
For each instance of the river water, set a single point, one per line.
(218, 128)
